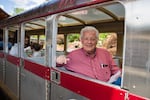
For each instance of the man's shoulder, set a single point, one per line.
(102, 50)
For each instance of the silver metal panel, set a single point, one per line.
(60, 93)
(2, 69)
(51, 33)
(33, 87)
(137, 50)
(12, 78)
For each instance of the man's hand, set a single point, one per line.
(62, 59)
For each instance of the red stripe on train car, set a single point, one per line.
(91, 90)
(13, 59)
(1, 55)
(40, 70)
(136, 97)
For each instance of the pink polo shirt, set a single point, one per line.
(100, 67)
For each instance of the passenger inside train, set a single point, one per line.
(91, 61)
(36, 53)
(27, 47)
(36, 50)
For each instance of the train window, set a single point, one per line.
(34, 48)
(13, 39)
(108, 19)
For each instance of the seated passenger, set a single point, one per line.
(14, 50)
(89, 60)
(27, 47)
(36, 50)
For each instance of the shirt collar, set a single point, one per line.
(89, 55)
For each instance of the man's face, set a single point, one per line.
(89, 41)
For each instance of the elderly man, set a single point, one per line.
(89, 60)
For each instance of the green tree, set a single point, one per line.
(103, 36)
(18, 10)
(73, 37)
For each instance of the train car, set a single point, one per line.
(38, 78)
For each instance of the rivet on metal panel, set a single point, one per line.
(121, 94)
(134, 86)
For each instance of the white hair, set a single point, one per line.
(89, 28)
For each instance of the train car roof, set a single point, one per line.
(109, 13)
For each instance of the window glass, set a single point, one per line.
(107, 19)
(34, 43)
